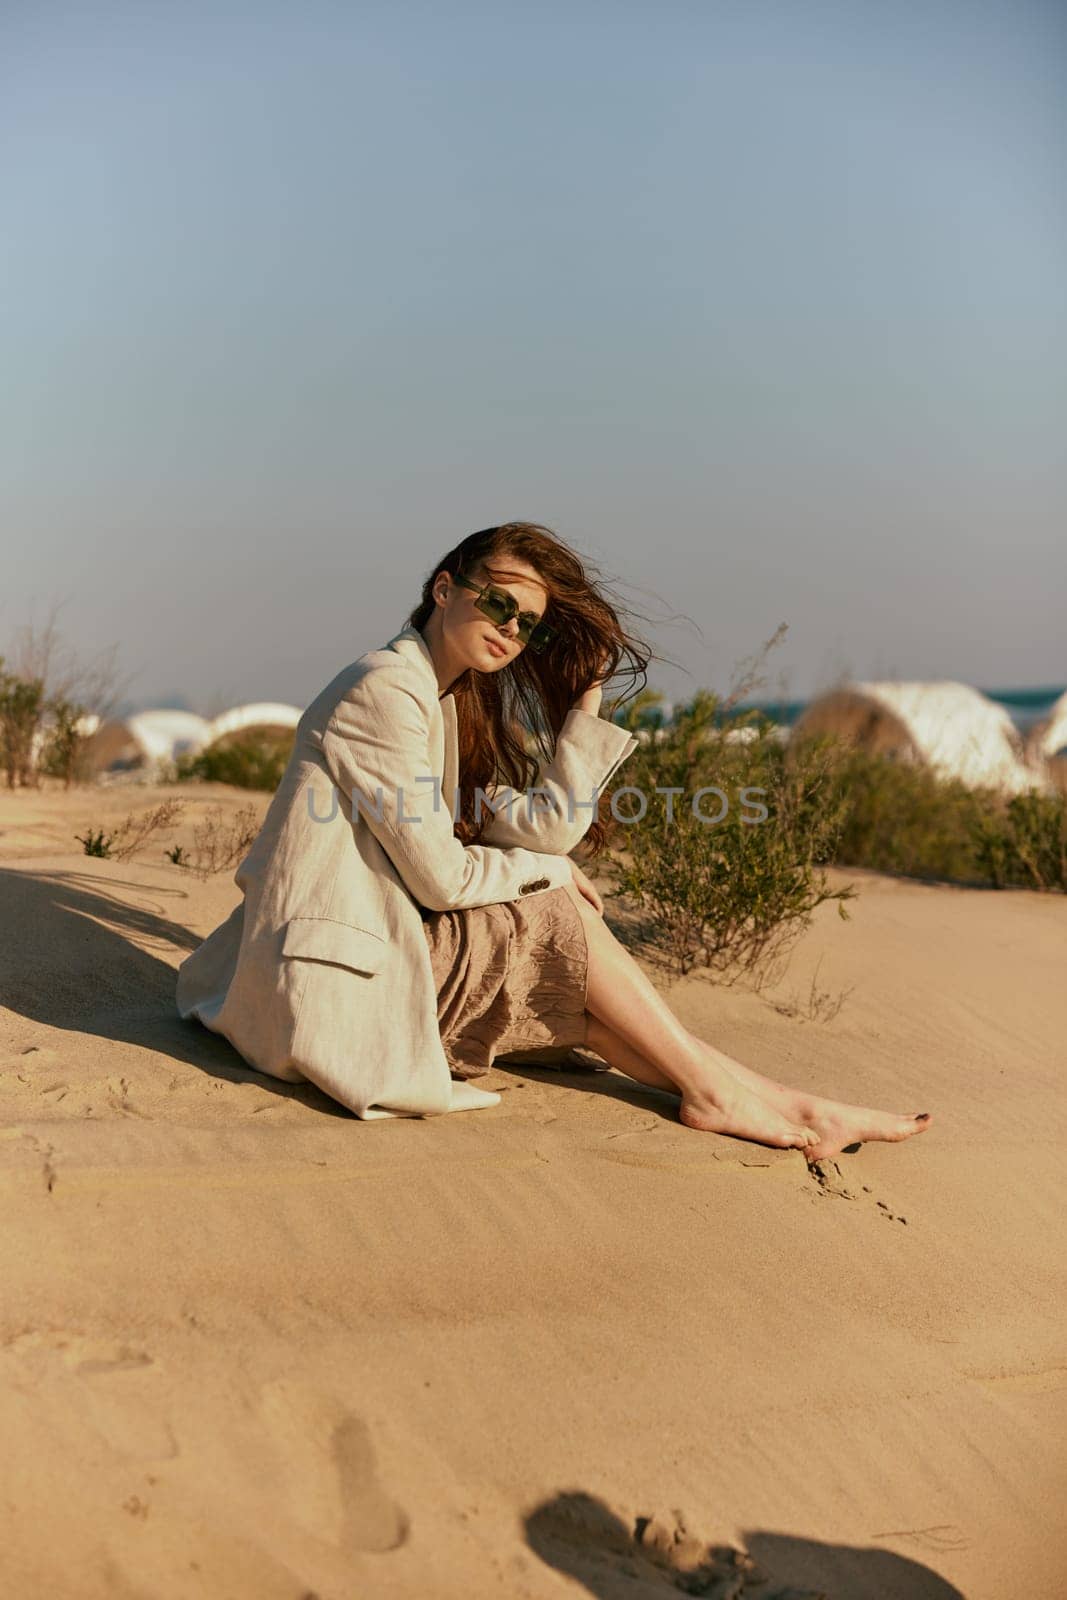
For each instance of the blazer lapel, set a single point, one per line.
(450, 771)
(409, 642)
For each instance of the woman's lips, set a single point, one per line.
(496, 647)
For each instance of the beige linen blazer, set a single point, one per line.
(322, 971)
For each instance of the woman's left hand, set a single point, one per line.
(587, 889)
(590, 700)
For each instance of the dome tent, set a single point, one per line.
(1049, 737)
(265, 718)
(146, 742)
(949, 727)
(1047, 743)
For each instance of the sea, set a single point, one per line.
(1024, 706)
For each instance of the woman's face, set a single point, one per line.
(472, 639)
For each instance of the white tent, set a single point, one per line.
(950, 727)
(1047, 743)
(1049, 736)
(262, 717)
(147, 741)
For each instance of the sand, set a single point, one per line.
(252, 1346)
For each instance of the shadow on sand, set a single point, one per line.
(656, 1555)
(82, 955)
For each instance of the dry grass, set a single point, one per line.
(131, 834)
(220, 838)
(220, 842)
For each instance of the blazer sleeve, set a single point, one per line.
(376, 746)
(588, 750)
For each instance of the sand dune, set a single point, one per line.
(254, 1347)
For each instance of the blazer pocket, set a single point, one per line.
(320, 939)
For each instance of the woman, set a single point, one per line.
(401, 930)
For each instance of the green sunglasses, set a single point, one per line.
(500, 607)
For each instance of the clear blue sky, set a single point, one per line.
(761, 306)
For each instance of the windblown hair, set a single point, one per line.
(499, 713)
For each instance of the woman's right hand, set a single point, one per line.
(586, 888)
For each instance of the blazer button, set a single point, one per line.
(538, 883)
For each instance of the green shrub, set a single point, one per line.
(22, 703)
(96, 843)
(65, 752)
(728, 893)
(1022, 842)
(900, 817)
(252, 761)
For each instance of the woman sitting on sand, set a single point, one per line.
(392, 952)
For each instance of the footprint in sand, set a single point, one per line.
(325, 1458)
(828, 1177)
(115, 1385)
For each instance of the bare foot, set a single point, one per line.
(836, 1124)
(833, 1124)
(741, 1113)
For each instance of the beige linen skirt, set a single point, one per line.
(510, 979)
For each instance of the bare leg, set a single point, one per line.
(666, 1054)
(833, 1123)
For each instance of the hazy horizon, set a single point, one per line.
(1033, 701)
(762, 307)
